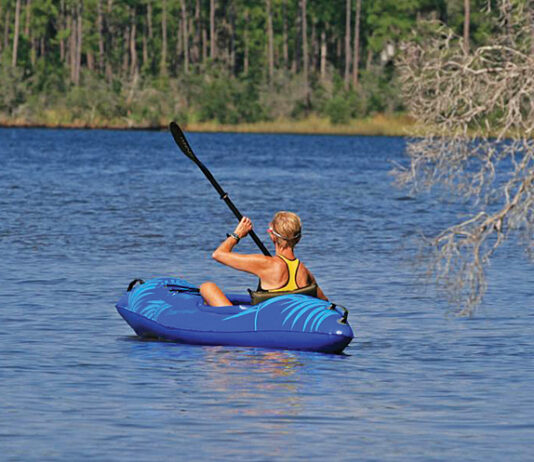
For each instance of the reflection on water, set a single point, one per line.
(259, 376)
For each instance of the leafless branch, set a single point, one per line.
(476, 117)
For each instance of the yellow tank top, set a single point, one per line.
(292, 268)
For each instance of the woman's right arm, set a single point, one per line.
(320, 293)
(255, 264)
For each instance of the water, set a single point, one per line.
(84, 212)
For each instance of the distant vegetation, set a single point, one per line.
(144, 62)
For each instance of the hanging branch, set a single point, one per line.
(454, 95)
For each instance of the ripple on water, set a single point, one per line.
(84, 212)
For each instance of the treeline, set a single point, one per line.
(141, 62)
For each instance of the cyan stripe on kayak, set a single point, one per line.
(320, 318)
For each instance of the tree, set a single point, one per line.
(270, 41)
(356, 58)
(454, 94)
(305, 49)
(16, 34)
(213, 36)
(467, 22)
(163, 65)
(185, 36)
(347, 42)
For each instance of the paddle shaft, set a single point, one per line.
(182, 143)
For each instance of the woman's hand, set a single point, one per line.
(244, 227)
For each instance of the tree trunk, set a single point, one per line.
(305, 51)
(270, 40)
(100, 26)
(295, 65)
(33, 44)
(28, 17)
(213, 39)
(195, 56)
(369, 59)
(6, 29)
(314, 46)
(323, 54)
(245, 40)
(90, 61)
(467, 21)
(63, 27)
(232, 41)
(347, 44)
(111, 39)
(204, 44)
(185, 37)
(125, 51)
(71, 52)
(79, 39)
(178, 53)
(133, 48)
(285, 48)
(1, 43)
(356, 60)
(16, 34)
(163, 65)
(145, 44)
(149, 20)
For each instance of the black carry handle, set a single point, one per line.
(345, 314)
(182, 143)
(133, 283)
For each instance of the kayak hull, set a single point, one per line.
(172, 309)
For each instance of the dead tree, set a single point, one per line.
(475, 111)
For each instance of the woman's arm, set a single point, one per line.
(255, 264)
(320, 293)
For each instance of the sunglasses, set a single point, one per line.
(272, 231)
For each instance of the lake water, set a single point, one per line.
(84, 212)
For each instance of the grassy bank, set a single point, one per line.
(378, 125)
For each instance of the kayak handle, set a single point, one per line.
(345, 314)
(133, 283)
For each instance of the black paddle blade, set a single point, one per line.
(180, 140)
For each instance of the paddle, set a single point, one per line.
(182, 143)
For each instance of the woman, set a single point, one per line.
(281, 273)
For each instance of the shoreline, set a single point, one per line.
(379, 125)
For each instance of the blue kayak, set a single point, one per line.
(172, 309)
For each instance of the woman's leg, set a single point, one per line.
(213, 295)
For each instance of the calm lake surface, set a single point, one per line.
(84, 212)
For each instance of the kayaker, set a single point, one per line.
(283, 273)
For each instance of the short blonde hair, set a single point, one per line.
(287, 225)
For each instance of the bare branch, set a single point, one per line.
(476, 117)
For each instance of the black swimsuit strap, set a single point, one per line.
(260, 289)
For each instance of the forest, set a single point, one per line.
(140, 63)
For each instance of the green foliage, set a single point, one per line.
(390, 21)
(49, 78)
(13, 92)
(339, 108)
(235, 86)
(230, 101)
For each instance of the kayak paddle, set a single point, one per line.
(182, 143)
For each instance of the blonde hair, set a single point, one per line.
(288, 226)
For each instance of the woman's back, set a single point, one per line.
(286, 274)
